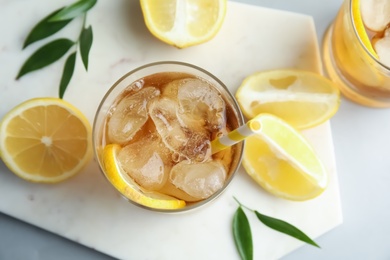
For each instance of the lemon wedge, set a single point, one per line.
(45, 140)
(283, 162)
(303, 99)
(130, 189)
(184, 23)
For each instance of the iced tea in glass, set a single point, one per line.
(357, 51)
(162, 118)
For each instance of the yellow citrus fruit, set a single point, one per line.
(45, 140)
(184, 23)
(303, 99)
(129, 188)
(361, 30)
(281, 160)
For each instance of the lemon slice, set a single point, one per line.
(303, 99)
(283, 162)
(130, 189)
(45, 140)
(361, 30)
(184, 23)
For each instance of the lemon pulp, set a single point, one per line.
(283, 162)
(303, 99)
(184, 23)
(45, 140)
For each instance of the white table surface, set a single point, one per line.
(362, 145)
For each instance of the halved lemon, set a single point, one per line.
(184, 23)
(283, 162)
(45, 140)
(304, 99)
(129, 188)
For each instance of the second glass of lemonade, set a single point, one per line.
(153, 131)
(351, 57)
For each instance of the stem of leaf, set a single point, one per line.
(242, 205)
(82, 27)
(84, 19)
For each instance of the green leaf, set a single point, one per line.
(86, 39)
(73, 10)
(284, 227)
(45, 56)
(67, 73)
(44, 29)
(242, 235)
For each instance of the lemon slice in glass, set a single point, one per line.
(281, 160)
(361, 30)
(45, 140)
(184, 23)
(129, 188)
(303, 99)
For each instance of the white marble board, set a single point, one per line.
(85, 208)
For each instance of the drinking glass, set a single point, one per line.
(360, 76)
(109, 101)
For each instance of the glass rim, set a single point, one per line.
(235, 106)
(360, 40)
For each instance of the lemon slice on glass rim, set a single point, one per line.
(45, 140)
(184, 23)
(129, 188)
(283, 162)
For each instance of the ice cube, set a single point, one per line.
(225, 157)
(170, 89)
(184, 142)
(200, 180)
(129, 115)
(382, 48)
(375, 14)
(148, 162)
(201, 104)
(172, 190)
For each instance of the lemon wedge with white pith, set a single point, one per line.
(45, 140)
(184, 23)
(302, 98)
(129, 188)
(283, 162)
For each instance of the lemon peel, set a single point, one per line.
(130, 189)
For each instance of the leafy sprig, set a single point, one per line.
(243, 235)
(54, 50)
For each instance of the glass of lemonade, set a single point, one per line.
(161, 118)
(355, 54)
